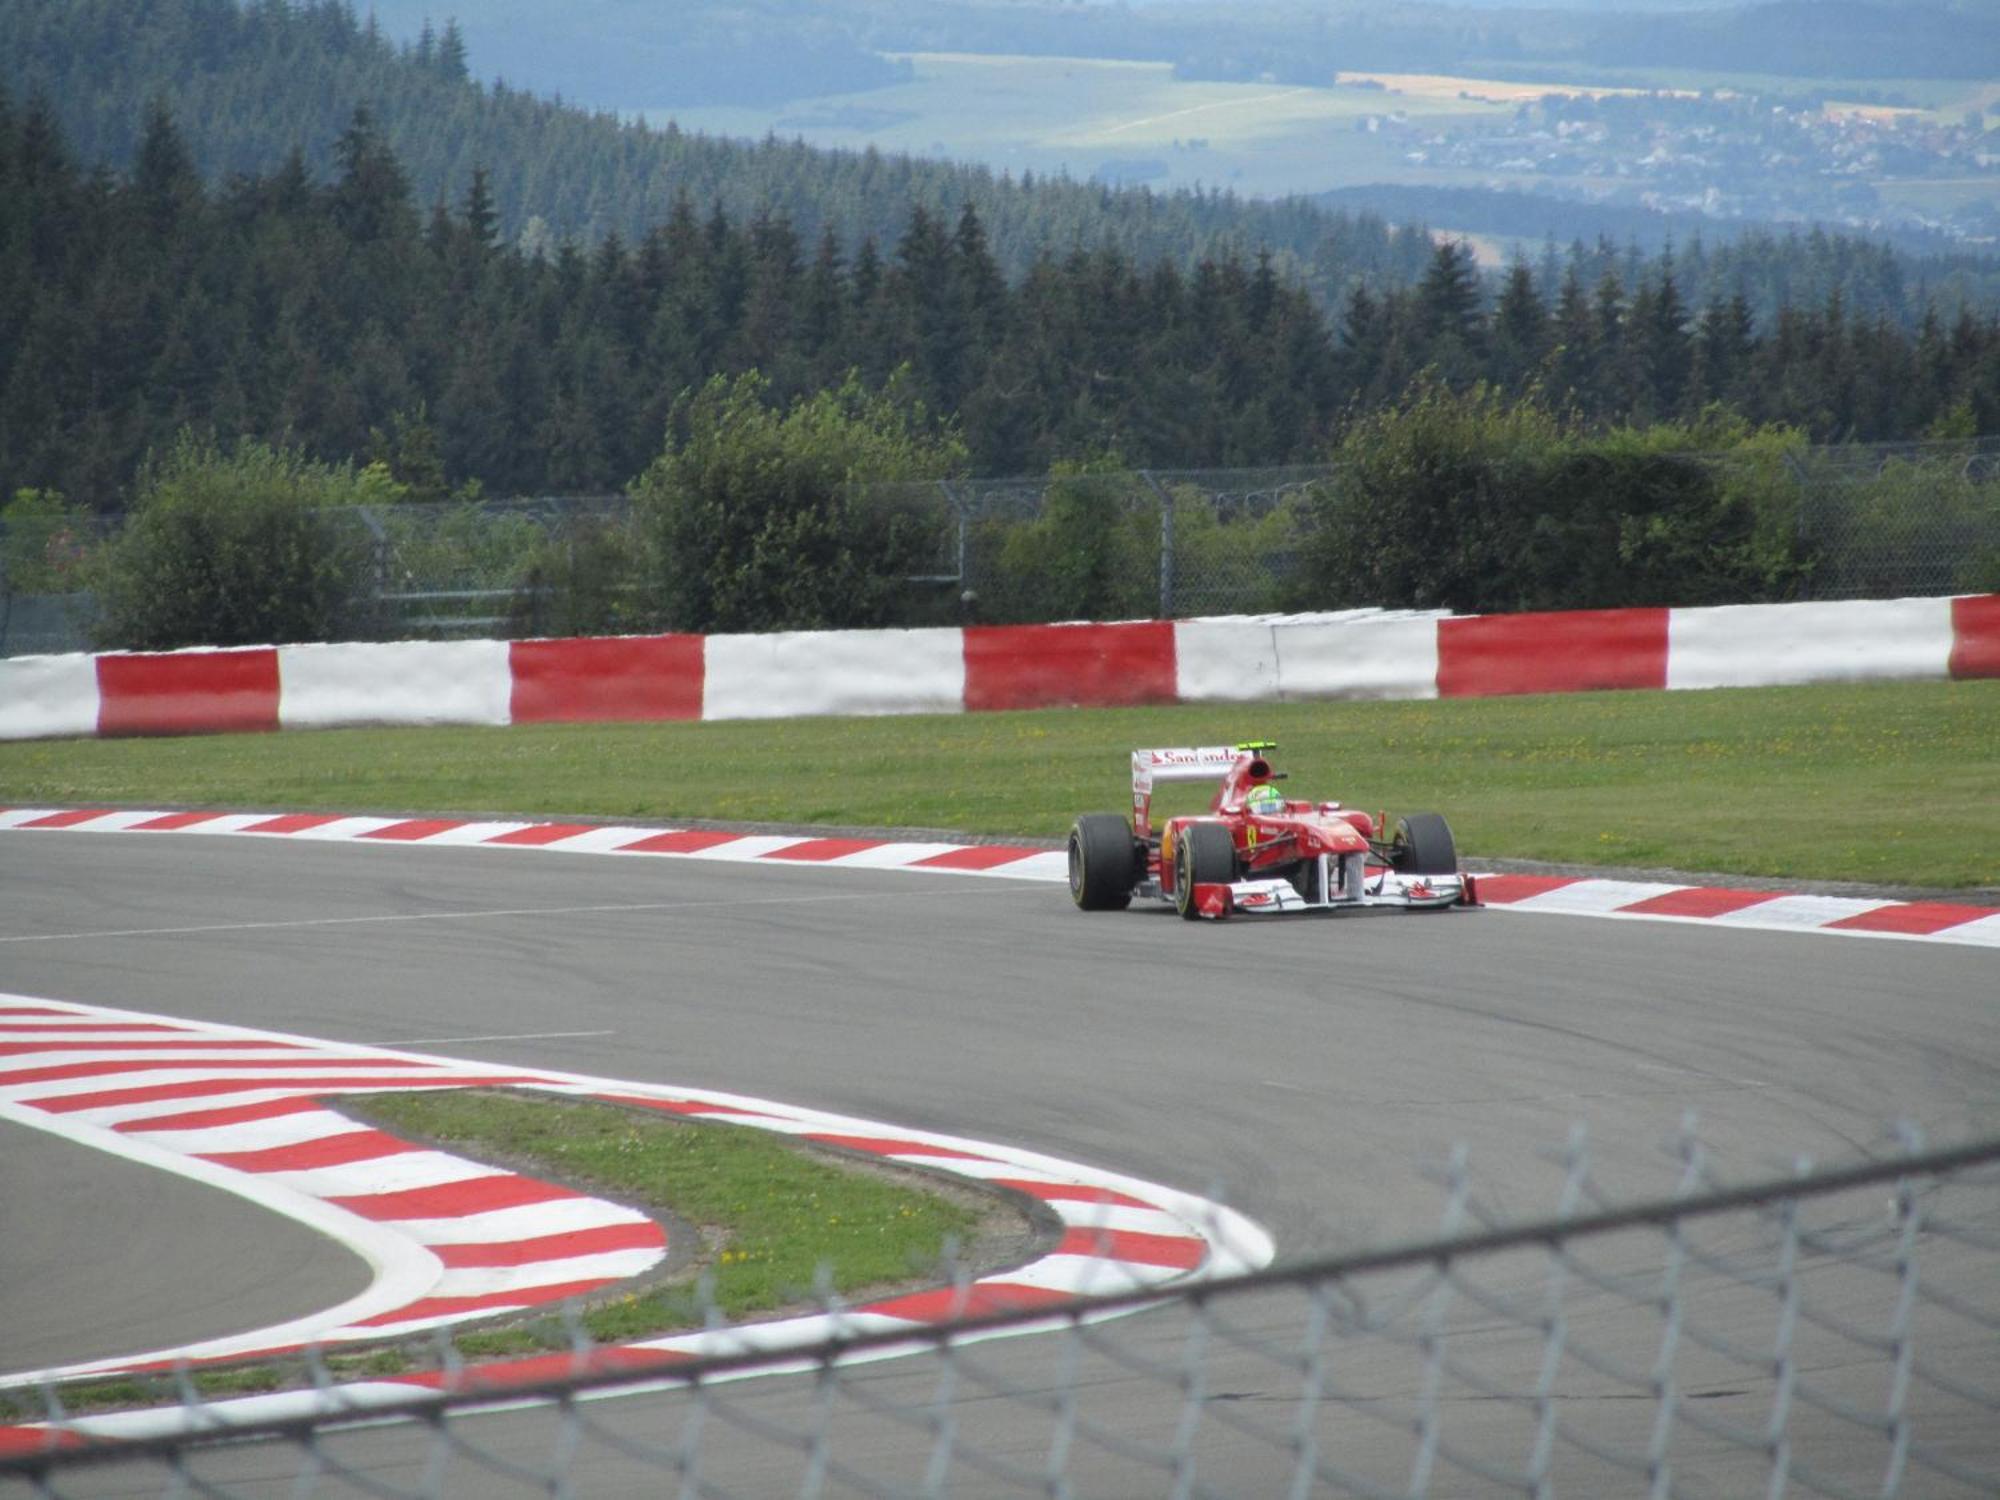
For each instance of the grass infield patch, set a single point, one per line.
(771, 1213)
(1893, 783)
(777, 1224)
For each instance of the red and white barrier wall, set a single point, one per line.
(1360, 654)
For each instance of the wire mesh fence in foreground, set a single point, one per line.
(1834, 1332)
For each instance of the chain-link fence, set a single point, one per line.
(532, 567)
(1871, 521)
(1899, 519)
(1139, 544)
(1830, 1332)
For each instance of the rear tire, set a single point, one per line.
(1424, 846)
(1103, 862)
(1204, 854)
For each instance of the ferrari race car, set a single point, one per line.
(1255, 850)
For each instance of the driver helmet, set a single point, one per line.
(1264, 800)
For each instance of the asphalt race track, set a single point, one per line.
(1308, 1070)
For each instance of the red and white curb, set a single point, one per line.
(450, 1240)
(1766, 911)
(1012, 860)
(1574, 896)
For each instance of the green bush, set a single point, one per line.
(753, 516)
(237, 547)
(1473, 502)
(1093, 553)
(1234, 562)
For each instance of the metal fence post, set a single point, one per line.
(961, 513)
(1166, 544)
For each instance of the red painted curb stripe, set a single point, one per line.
(681, 841)
(36, 1028)
(815, 850)
(173, 822)
(22, 1442)
(234, 1114)
(206, 1361)
(888, 1146)
(542, 833)
(685, 1106)
(136, 1044)
(106, 1066)
(542, 1367)
(975, 1301)
(415, 828)
(637, 1236)
(1918, 917)
(447, 1307)
(327, 1151)
(1070, 1192)
(1133, 1245)
(63, 1104)
(455, 1200)
(293, 823)
(1696, 901)
(977, 857)
(1502, 890)
(65, 819)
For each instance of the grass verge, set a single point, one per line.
(772, 1217)
(1891, 783)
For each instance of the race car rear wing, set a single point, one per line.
(1152, 768)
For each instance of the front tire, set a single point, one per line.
(1103, 862)
(1204, 854)
(1423, 846)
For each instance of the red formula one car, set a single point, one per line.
(1255, 850)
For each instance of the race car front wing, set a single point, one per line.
(1335, 889)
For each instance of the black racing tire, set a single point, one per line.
(1424, 846)
(1205, 855)
(1103, 862)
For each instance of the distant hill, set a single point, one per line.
(633, 56)
(250, 84)
(1532, 217)
(639, 54)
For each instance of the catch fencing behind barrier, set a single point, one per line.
(1883, 521)
(1888, 520)
(1830, 1332)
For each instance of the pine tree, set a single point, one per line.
(371, 200)
(164, 182)
(1520, 330)
(1447, 303)
(451, 63)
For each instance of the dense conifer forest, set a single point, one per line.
(340, 316)
(249, 83)
(267, 221)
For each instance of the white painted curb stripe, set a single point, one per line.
(1582, 896)
(1213, 1239)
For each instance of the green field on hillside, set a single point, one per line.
(1886, 782)
(1054, 114)
(1048, 115)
